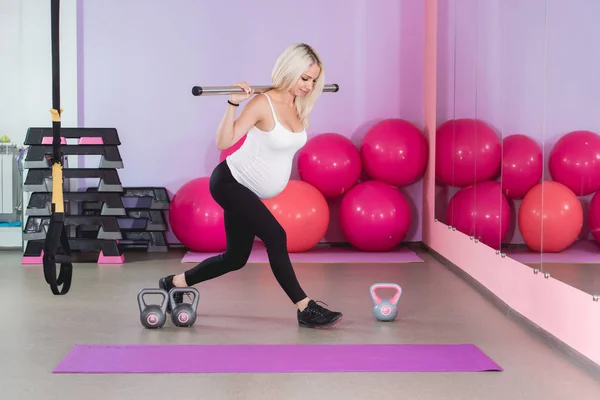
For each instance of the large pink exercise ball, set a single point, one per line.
(374, 216)
(550, 217)
(575, 162)
(303, 213)
(331, 163)
(522, 165)
(196, 219)
(594, 217)
(481, 211)
(467, 151)
(232, 149)
(394, 151)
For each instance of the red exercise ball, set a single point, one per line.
(467, 151)
(196, 219)
(550, 217)
(331, 163)
(575, 162)
(481, 211)
(232, 149)
(303, 213)
(394, 151)
(374, 216)
(594, 217)
(522, 165)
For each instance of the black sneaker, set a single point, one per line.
(316, 316)
(166, 283)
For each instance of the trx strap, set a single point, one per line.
(56, 244)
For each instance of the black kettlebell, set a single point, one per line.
(184, 314)
(153, 316)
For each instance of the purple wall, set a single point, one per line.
(526, 67)
(140, 59)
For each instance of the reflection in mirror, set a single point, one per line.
(551, 96)
(468, 149)
(446, 70)
(492, 208)
(522, 125)
(571, 206)
(518, 93)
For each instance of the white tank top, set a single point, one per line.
(263, 163)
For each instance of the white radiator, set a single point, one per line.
(10, 184)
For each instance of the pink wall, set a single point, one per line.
(565, 312)
(430, 100)
(521, 66)
(140, 62)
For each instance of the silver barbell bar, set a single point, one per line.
(226, 90)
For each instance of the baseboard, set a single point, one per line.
(557, 345)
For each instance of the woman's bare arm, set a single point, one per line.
(231, 130)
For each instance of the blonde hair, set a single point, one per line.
(290, 66)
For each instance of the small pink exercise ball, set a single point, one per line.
(394, 151)
(481, 211)
(232, 149)
(331, 163)
(575, 162)
(467, 151)
(374, 216)
(522, 165)
(303, 213)
(196, 220)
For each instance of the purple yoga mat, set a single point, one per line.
(261, 358)
(323, 255)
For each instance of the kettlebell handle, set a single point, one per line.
(184, 290)
(142, 304)
(394, 300)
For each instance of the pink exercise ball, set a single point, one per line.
(374, 216)
(196, 219)
(481, 211)
(575, 162)
(232, 149)
(550, 217)
(522, 165)
(467, 151)
(394, 151)
(331, 163)
(594, 217)
(303, 213)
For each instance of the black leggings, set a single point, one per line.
(245, 217)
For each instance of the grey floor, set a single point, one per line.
(585, 277)
(249, 307)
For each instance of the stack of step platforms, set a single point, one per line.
(103, 239)
(144, 225)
